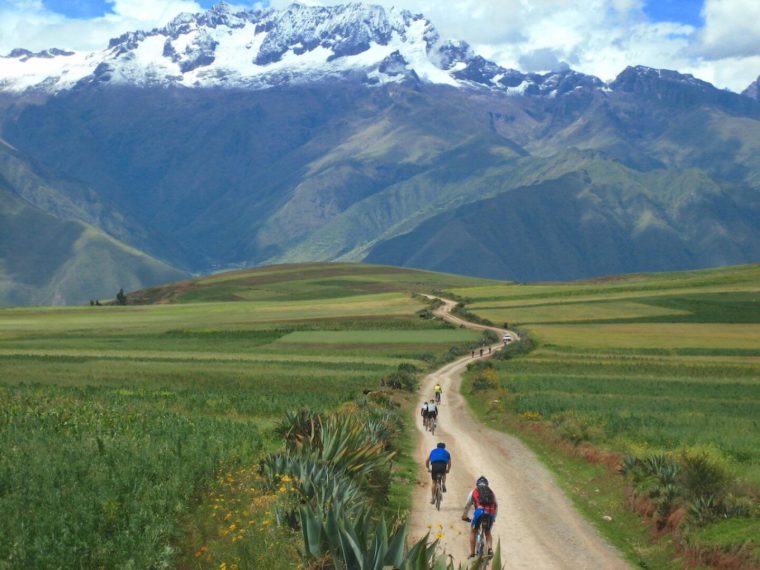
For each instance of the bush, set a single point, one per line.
(575, 427)
(486, 379)
(523, 345)
(401, 380)
(702, 476)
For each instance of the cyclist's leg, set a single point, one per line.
(434, 476)
(474, 529)
(488, 526)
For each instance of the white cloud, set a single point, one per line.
(732, 29)
(27, 24)
(600, 37)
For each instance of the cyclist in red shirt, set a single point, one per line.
(484, 501)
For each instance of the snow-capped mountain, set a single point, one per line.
(261, 48)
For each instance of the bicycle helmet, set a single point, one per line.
(481, 481)
(441, 445)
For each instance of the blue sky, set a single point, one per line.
(682, 11)
(715, 40)
(86, 9)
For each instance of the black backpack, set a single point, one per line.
(485, 495)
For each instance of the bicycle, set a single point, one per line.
(432, 424)
(438, 492)
(480, 540)
(438, 398)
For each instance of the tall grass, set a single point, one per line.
(102, 483)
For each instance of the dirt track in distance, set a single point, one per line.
(537, 524)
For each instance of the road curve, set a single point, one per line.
(537, 525)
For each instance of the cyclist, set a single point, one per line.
(432, 411)
(438, 463)
(425, 414)
(438, 390)
(484, 501)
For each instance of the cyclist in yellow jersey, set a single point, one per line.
(438, 390)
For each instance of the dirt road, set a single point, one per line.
(537, 524)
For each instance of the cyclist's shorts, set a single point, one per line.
(433, 414)
(438, 470)
(487, 521)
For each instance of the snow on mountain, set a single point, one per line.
(262, 48)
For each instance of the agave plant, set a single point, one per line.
(323, 486)
(345, 443)
(298, 426)
(362, 544)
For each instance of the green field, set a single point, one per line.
(118, 423)
(642, 366)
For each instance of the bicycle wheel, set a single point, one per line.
(433, 425)
(480, 541)
(438, 494)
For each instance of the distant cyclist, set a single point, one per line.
(432, 411)
(425, 414)
(438, 390)
(484, 501)
(438, 463)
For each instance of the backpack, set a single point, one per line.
(485, 496)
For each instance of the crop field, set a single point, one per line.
(116, 423)
(644, 366)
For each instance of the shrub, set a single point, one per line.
(575, 427)
(703, 477)
(486, 379)
(522, 346)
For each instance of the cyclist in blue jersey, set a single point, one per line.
(438, 463)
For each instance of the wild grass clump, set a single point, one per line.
(487, 378)
(694, 481)
(403, 378)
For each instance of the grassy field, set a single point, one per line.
(647, 365)
(122, 425)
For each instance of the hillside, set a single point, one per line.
(49, 255)
(302, 282)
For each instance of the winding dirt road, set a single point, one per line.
(537, 525)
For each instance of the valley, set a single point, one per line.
(104, 408)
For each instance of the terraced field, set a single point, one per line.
(118, 423)
(661, 365)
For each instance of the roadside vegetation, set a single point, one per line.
(655, 379)
(139, 436)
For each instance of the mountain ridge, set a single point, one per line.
(336, 166)
(225, 47)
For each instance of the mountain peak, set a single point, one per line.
(753, 90)
(257, 49)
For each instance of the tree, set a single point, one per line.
(121, 298)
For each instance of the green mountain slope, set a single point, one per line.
(601, 219)
(49, 256)
(663, 177)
